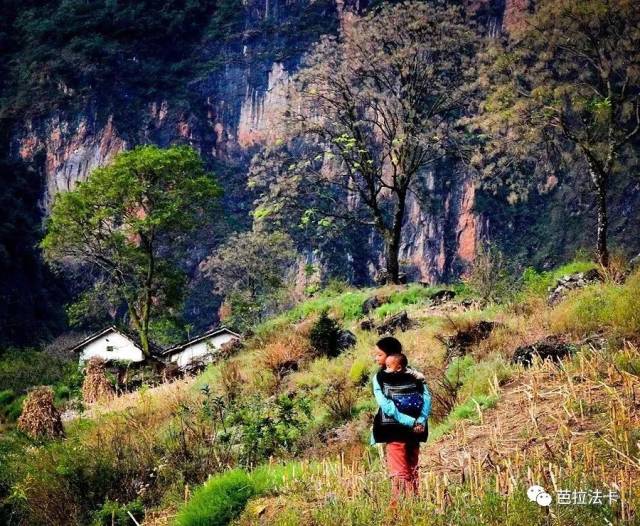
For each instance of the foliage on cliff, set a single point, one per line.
(122, 55)
(565, 90)
(70, 51)
(369, 113)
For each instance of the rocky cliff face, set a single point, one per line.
(234, 114)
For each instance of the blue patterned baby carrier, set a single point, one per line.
(406, 392)
(407, 398)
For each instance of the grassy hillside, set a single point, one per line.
(278, 434)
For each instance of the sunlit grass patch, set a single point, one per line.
(604, 307)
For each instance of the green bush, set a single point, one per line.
(458, 369)
(536, 283)
(412, 295)
(325, 335)
(115, 514)
(6, 397)
(10, 405)
(478, 380)
(14, 409)
(268, 427)
(360, 371)
(224, 496)
(399, 300)
(11, 449)
(627, 362)
(218, 501)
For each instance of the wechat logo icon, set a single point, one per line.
(538, 494)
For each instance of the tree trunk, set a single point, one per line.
(142, 330)
(144, 342)
(603, 223)
(394, 240)
(393, 265)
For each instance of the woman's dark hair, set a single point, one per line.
(389, 345)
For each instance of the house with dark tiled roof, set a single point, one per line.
(199, 349)
(115, 344)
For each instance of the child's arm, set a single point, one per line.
(416, 374)
(426, 406)
(389, 408)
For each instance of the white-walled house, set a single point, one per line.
(109, 344)
(201, 349)
(113, 344)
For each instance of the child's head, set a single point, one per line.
(396, 363)
(387, 346)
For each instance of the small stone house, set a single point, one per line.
(200, 349)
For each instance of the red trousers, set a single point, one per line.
(402, 463)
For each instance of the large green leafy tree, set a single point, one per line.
(371, 112)
(566, 87)
(126, 223)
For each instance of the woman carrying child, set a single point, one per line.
(401, 421)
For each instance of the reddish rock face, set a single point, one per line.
(71, 152)
(260, 113)
(467, 231)
(242, 115)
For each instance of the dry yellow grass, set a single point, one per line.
(161, 400)
(551, 425)
(549, 421)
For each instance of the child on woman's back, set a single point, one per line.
(401, 421)
(411, 405)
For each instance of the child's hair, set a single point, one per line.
(389, 345)
(403, 360)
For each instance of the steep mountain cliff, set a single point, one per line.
(212, 75)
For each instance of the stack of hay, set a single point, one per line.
(96, 385)
(39, 416)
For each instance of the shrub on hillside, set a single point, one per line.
(223, 497)
(284, 354)
(218, 501)
(360, 371)
(113, 513)
(325, 336)
(628, 359)
(339, 397)
(269, 427)
(488, 275)
(119, 457)
(22, 369)
(64, 482)
(444, 386)
(231, 380)
(7, 398)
